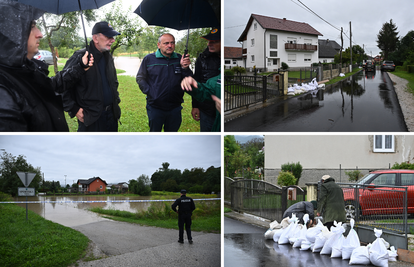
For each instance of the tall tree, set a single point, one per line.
(128, 26)
(9, 180)
(387, 38)
(230, 147)
(69, 21)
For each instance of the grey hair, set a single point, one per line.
(159, 38)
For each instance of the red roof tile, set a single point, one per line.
(233, 52)
(280, 25)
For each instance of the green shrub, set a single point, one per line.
(229, 72)
(403, 165)
(354, 175)
(285, 66)
(294, 168)
(286, 179)
(238, 69)
(410, 68)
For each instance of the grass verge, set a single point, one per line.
(206, 217)
(337, 79)
(37, 242)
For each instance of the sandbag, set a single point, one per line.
(277, 234)
(378, 253)
(269, 234)
(302, 233)
(350, 243)
(287, 233)
(336, 231)
(337, 247)
(320, 240)
(360, 255)
(314, 231)
(392, 254)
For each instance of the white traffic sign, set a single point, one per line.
(26, 177)
(26, 192)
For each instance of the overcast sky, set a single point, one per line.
(367, 18)
(114, 158)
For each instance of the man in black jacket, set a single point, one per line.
(185, 210)
(207, 66)
(27, 95)
(95, 99)
(300, 209)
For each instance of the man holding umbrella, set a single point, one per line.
(95, 99)
(159, 77)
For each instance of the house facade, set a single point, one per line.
(267, 42)
(335, 154)
(92, 185)
(328, 49)
(233, 57)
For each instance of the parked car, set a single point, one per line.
(387, 65)
(370, 66)
(45, 56)
(378, 194)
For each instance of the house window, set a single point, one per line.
(274, 61)
(227, 61)
(291, 58)
(273, 53)
(384, 143)
(291, 40)
(308, 58)
(101, 187)
(252, 58)
(252, 42)
(307, 41)
(255, 26)
(273, 41)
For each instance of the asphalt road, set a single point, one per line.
(125, 244)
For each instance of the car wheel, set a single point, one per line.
(350, 209)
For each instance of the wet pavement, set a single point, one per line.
(361, 103)
(245, 245)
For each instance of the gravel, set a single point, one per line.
(406, 100)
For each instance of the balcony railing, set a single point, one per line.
(303, 47)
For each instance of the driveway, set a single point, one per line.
(126, 244)
(129, 64)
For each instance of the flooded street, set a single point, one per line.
(361, 103)
(74, 214)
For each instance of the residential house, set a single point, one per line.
(119, 187)
(233, 57)
(327, 50)
(267, 42)
(335, 154)
(92, 185)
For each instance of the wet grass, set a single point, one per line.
(133, 107)
(37, 242)
(206, 217)
(337, 79)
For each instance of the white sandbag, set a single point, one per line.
(378, 253)
(287, 233)
(321, 239)
(295, 234)
(305, 245)
(302, 233)
(314, 231)
(269, 234)
(277, 234)
(392, 254)
(336, 231)
(337, 247)
(341, 75)
(283, 224)
(360, 255)
(350, 243)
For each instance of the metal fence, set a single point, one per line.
(242, 91)
(261, 198)
(303, 75)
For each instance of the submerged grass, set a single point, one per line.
(206, 217)
(37, 242)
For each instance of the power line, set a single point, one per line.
(319, 16)
(235, 26)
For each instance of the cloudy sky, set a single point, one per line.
(114, 158)
(367, 18)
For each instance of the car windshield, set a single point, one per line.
(365, 178)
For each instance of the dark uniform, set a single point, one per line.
(185, 209)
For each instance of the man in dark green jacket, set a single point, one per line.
(331, 202)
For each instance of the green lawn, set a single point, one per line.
(133, 107)
(37, 242)
(337, 79)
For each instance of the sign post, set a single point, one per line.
(26, 178)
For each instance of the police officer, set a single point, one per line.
(185, 209)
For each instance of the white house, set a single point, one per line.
(267, 42)
(233, 57)
(335, 154)
(327, 50)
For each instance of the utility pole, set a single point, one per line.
(65, 180)
(350, 46)
(342, 44)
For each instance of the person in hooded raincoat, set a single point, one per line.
(28, 99)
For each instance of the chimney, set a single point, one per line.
(284, 18)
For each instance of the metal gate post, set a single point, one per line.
(264, 89)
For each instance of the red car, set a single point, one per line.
(380, 192)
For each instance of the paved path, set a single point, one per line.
(129, 64)
(125, 244)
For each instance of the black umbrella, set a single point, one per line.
(59, 7)
(181, 14)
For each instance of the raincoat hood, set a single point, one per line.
(15, 19)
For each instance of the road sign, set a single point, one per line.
(26, 177)
(26, 192)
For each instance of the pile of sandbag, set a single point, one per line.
(300, 89)
(331, 242)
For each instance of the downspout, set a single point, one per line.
(265, 63)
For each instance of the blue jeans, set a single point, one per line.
(105, 123)
(206, 122)
(157, 118)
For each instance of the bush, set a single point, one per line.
(410, 68)
(238, 69)
(403, 165)
(294, 168)
(285, 66)
(354, 175)
(286, 179)
(229, 72)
